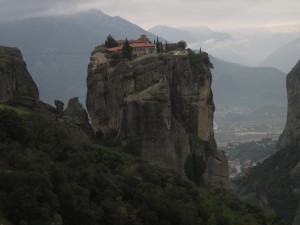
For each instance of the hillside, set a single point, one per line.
(285, 57)
(235, 85)
(48, 177)
(250, 102)
(57, 49)
(275, 183)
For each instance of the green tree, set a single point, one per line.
(181, 44)
(110, 42)
(127, 50)
(157, 45)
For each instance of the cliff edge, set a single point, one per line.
(160, 108)
(17, 88)
(276, 182)
(16, 84)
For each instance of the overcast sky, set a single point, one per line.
(216, 14)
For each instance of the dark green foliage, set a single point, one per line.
(181, 45)
(46, 177)
(127, 50)
(10, 126)
(109, 138)
(199, 60)
(158, 46)
(110, 42)
(194, 168)
(271, 180)
(134, 146)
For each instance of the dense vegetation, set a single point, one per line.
(271, 183)
(254, 150)
(46, 177)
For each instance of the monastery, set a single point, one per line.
(141, 46)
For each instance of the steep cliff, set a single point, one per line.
(161, 108)
(19, 89)
(276, 183)
(16, 84)
(76, 117)
(291, 134)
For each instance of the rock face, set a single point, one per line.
(16, 84)
(161, 109)
(291, 133)
(18, 88)
(76, 117)
(276, 182)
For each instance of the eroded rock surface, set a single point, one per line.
(76, 117)
(161, 108)
(276, 182)
(16, 84)
(291, 133)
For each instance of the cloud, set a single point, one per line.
(146, 13)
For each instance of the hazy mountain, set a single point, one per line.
(250, 102)
(285, 57)
(57, 49)
(246, 46)
(235, 85)
(189, 34)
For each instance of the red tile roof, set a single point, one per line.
(133, 45)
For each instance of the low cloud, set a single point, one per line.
(146, 13)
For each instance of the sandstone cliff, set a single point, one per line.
(291, 134)
(161, 109)
(18, 88)
(16, 84)
(276, 183)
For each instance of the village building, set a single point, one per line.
(141, 46)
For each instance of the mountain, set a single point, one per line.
(250, 102)
(235, 85)
(246, 46)
(49, 176)
(284, 57)
(275, 183)
(161, 108)
(189, 34)
(57, 49)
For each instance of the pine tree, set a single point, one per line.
(127, 50)
(166, 47)
(157, 46)
(110, 42)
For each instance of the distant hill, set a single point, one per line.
(285, 57)
(235, 85)
(250, 102)
(189, 34)
(57, 49)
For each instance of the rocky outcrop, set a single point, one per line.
(16, 84)
(161, 109)
(291, 133)
(18, 88)
(76, 117)
(276, 182)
